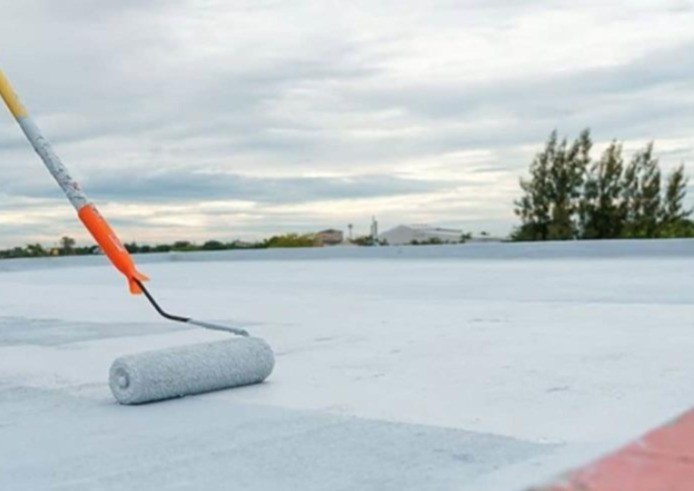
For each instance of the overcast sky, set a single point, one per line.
(238, 119)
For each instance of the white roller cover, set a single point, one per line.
(175, 372)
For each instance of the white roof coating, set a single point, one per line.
(480, 367)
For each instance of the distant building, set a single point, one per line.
(406, 234)
(330, 237)
(374, 231)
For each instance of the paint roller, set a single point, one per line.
(159, 374)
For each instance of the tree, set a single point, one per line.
(35, 250)
(602, 217)
(534, 206)
(291, 240)
(429, 241)
(630, 210)
(161, 248)
(567, 197)
(641, 195)
(674, 217)
(549, 207)
(368, 240)
(650, 193)
(132, 247)
(213, 245)
(363, 240)
(183, 246)
(568, 171)
(67, 246)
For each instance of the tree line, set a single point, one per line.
(568, 195)
(67, 247)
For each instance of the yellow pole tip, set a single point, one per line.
(10, 98)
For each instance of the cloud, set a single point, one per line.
(181, 187)
(285, 105)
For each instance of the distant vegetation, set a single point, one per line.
(288, 240)
(571, 196)
(66, 246)
(464, 237)
(368, 240)
(429, 241)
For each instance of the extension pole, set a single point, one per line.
(86, 211)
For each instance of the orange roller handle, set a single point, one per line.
(111, 245)
(90, 217)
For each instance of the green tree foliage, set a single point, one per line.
(35, 250)
(642, 182)
(429, 241)
(567, 196)
(291, 240)
(533, 208)
(601, 213)
(568, 172)
(132, 247)
(674, 219)
(551, 197)
(213, 245)
(368, 240)
(183, 246)
(67, 246)
(363, 240)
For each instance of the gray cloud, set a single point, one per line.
(178, 187)
(564, 99)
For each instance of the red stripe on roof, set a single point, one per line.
(662, 460)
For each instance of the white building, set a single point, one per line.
(406, 234)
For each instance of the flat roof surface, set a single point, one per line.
(490, 366)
